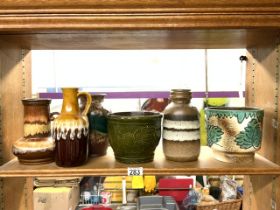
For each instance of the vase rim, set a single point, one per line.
(234, 109)
(181, 94)
(69, 88)
(180, 90)
(36, 101)
(135, 115)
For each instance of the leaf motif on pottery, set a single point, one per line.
(214, 134)
(220, 115)
(244, 115)
(240, 117)
(250, 137)
(224, 115)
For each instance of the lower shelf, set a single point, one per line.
(107, 165)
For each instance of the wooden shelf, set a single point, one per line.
(27, 15)
(206, 165)
(142, 39)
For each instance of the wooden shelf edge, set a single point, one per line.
(134, 6)
(124, 173)
(106, 165)
(46, 23)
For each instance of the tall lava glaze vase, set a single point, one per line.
(181, 130)
(70, 130)
(98, 135)
(37, 145)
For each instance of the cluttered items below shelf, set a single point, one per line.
(187, 192)
(110, 193)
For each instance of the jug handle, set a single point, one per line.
(88, 102)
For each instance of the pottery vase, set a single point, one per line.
(98, 135)
(70, 130)
(36, 146)
(181, 129)
(234, 133)
(134, 136)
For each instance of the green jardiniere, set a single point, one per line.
(134, 136)
(234, 133)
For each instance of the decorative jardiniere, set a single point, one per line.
(134, 135)
(234, 133)
(181, 130)
(70, 130)
(36, 146)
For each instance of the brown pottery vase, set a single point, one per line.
(36, 146)
(181, 130)
(70, 130)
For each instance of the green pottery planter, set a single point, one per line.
(234, 133)
(134, 136)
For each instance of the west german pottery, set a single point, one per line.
(70, 130)
(181, 130)
(36, 146)
(134, 136)
(234, 133)
(97, 116)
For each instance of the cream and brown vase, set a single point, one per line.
(70, 130)
(181, 130)
(36, 146)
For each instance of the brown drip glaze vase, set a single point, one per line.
(70, 130)
(181, 128)
(36, 146)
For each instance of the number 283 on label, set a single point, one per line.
(138, 171)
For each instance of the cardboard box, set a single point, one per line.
(56, 198)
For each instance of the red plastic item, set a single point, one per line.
(97, 207)
(177, 188)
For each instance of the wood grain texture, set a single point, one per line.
(106, 165)
(27, 15)
(14, 197)
(23, 23)
(143, 39)
(29, 193)
(262, 91)
(276, 123)
(257, 196)
(264, 73)
(12, 115)
(93, 6)
(12, 92)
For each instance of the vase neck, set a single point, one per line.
(70, 101)
(181, 101)
(181, 96)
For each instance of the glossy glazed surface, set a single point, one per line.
(70, 131)
(134, 135)
(234, 134)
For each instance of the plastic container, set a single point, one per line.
(177, 188)
(97, 207)
(157, 203)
